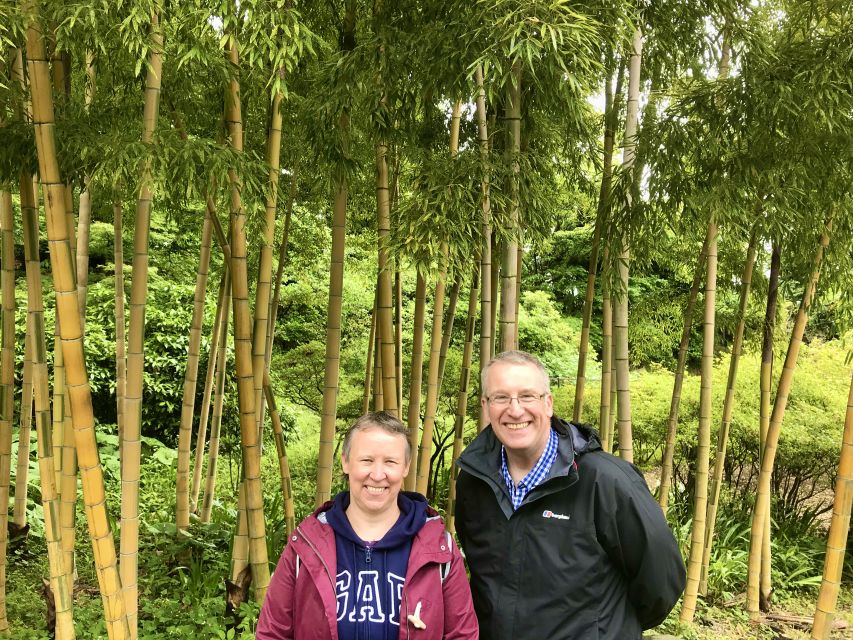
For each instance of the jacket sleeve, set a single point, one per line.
(276, 619)
(460, 621)
(633, 531)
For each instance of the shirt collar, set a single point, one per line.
(535, 476)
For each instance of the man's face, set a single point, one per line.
(523, 428)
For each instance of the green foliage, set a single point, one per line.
(543, 331)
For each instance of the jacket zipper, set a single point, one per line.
(317, 553)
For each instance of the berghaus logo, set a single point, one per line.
(559, 516)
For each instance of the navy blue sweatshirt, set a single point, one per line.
(370, 574)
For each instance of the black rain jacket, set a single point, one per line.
(587, 556)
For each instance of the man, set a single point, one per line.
(564, 541)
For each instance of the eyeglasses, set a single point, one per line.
(525, 399)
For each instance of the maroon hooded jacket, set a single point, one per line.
(300, 603)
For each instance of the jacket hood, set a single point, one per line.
(413, 515)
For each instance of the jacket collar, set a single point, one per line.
(482, 459)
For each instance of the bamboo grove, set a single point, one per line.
(714, 135)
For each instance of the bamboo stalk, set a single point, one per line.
(486, 336)
(19, 511)
(728, 407)
(84, 216)
(182, 483)
(450, 318)
(766, 407)
(7, 381)
(368, 366)
(678, 382)
(62, 267)
(131, 435)
(836, 542)
(385, 307)
(416, 379)
(611, 113)
(509, 258)
(283, 466)
(249, 436)
(424, 454)
(703, 449)
(282, 259)
(462, 397)
(207, 394)
(263, 289)
(604, 422)
(762, 503)
(331, 377)
(398, 335)
(60, 563)
(620, 311)
(218, 399)
(121, 358)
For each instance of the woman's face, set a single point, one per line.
(376, 466)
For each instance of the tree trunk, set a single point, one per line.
(336, 280)
(703, 450)
(836, 542)
(766, 406)
(620, 311)
(185, 432)
(675, 402)
(509, 264)
(60, 563)
(249, 436)
(728, 407)
(416, 378)
(62, 267)
(462, 398)
(762, 502)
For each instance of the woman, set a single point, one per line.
(375, 563)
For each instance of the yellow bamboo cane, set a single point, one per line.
(60, 563)
(762, 503)
(703, 448)
(462, 397)
(836, 542)
(486, 338)
(249, 436)
(182, 482)
(62, 267)
(7, 381)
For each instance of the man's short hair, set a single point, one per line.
(514, 357)
(377, 420)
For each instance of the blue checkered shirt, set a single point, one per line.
(535, 476)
